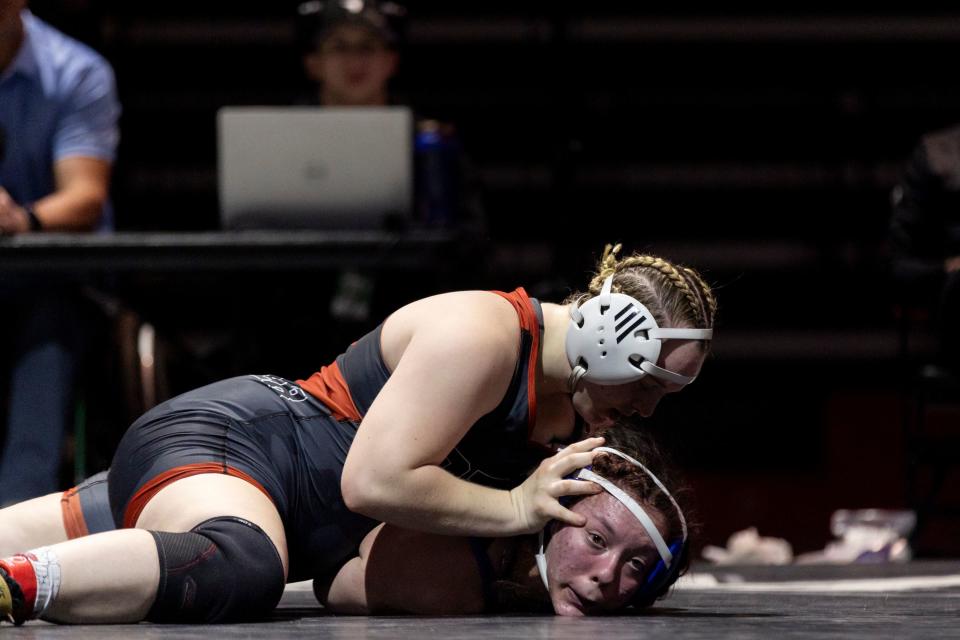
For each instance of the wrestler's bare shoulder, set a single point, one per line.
(466, 319)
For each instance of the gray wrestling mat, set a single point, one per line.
(919, 600)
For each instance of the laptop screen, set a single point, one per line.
(314, 167)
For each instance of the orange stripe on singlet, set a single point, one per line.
(528, 322)
(73, 521)
(329, 386)
(155, 484)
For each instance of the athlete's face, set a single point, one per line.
(598, 568)
(601, 406)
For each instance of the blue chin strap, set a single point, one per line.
(660, 572)
(668, 553)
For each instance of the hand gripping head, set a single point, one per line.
(667, 567)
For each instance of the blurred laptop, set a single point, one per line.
(315, 167)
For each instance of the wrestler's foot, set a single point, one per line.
(11, 599)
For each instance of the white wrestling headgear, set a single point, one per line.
(613, 339)
(666, 554)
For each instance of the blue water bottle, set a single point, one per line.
(436, 191)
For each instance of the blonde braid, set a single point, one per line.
(706, 292)
(683, 283)
(608, 267)
(670, 271)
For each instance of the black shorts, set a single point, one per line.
(86, 507)
(266, 430)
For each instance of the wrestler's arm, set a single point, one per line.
(398, 570)
(455, 367)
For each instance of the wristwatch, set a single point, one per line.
(35, 224)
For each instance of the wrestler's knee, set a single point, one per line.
(224, 569)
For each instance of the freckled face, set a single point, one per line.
(599, 567)
(601, 405)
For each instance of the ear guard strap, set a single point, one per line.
(660, 571)
(656, 481)
(634, 508)
(605, 292)
(678, 333)
(665, 374)
(542, 562)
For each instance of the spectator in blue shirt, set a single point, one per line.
(59, 112)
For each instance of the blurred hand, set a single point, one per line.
(13, 217)
(537, 500)
(951, 264)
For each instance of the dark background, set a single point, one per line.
(759, 147)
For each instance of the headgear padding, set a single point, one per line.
(613, 339)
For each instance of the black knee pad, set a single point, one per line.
(224, 569)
